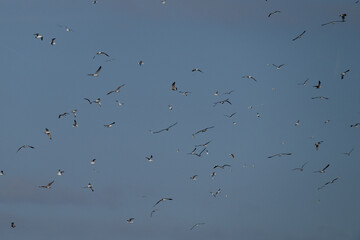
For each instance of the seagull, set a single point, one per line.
(98, 102)
(232, 155)
(258, 115)
(140, 63)
(199, 154)
(101, 53)
(192, 152)
(317, 144)
(222, 102)
(165, 129)
(344, 73)
(202, 130)
(196, 70)
(184, 93)
(152, 212)
(47, 132)
(74, 112)
(119, 103)
(68, 29)
(109, 125)
(297, 123)
(327, 121)
(12, 225)
(170, 107)
(300, 168)
(299, 36)
(343, 16)
(193, 177)
(216, 93)
(332, 22)
(173, 88)
(318, 86)
(88, 100)
(222, 167)
(163, 199)
(131, 220)
(25, 146)
(278, 67)
(163, 2)
(38, 36)
(348, 153)
(94, 2)
(93, 161)
(229, 92)
(48, 186)
(322, 170)
(304, 83)
(89, 186)
(60, 173)
(321, 98)
(75, 124)
(116, 90)
(230, 116)
(150, 159)
(280, 154)
(53, 41)
(249, 77)
(330, 182)
(63, 114)
(355, 125)
(216, 193)
(204, 144)
(213, 174)
(96, 74)
(2, 173)
(273, 13)
(196, 225)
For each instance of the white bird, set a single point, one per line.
(53, 41)
(96, 74)
(89, 186)
(60, 173)
(161, 200)
(93, 161)
(2, 173)
(109, 125)
(38, 36)
(47, 132)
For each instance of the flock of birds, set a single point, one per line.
(199, 149)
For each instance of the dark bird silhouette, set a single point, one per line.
(322, 170)
(173, 88)
(38, 36)
(249, 77)
(48, 186)
(161, 200)
(355, 125)
(317, 144)
(63, 115)
(116, 90)
(321, 98)
(12, 225)
(280, 154)
(96, 74)
(273, 13)
(47, 132)
(300, 168)
(109, 125)
(344, 73)
(53, 41)
(101, 53)
(222, 167)
(304, 83)
(25, 146)
(196, 225)
(329, 182)
(348, 153)
(202, 130)
(343, 16)
(196, 70)
(140, 63)
(230, 116)
(164, 129)
(318, 86)
(222, 102)
(299, 36)
(278, 67)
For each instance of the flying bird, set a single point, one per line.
(317, 144)
(184, 93)
(38, 36)
(165, 129)
(2, 173)
(222, 102)
(212, 175)
(130, 220)
(321, 98)
(222, 167)
(152, 212)
(273, 13)
(140, 63)
(194, 177)
(25, 146)
(60, 172)
(150, 159)
(173, 88)
(96, 74)
(202, 130)
(196, 70)
(204, 144)
(344, 73)
(299, 36)
(297, 123)
(12, 225)
(48, 186)
(88, 100)
(101, 53)
(63, 114)
(229, 92)
(278, 67)
(343, 16)
(196, 225)
(89, 186)
(322, 170)
(47, 132)
(318, 86)
(232, 155)
(332, 22)
(53, 41)
(230, 116)
(304, 83)
(249, 77)
(93, 161)
(300, 168)
(161, 200)
(116, 90)
(75, 123)
(280, 154)
(355, 125)
(74, 112)
(119, 103)
(348, 153)
(109, 125)
(98, 102)
(329, 182)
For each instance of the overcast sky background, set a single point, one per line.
(226, 40)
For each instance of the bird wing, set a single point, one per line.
(97, 71)
(49, 184)
(325, 167)
(88, 100)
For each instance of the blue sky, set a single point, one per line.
(226, 40)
